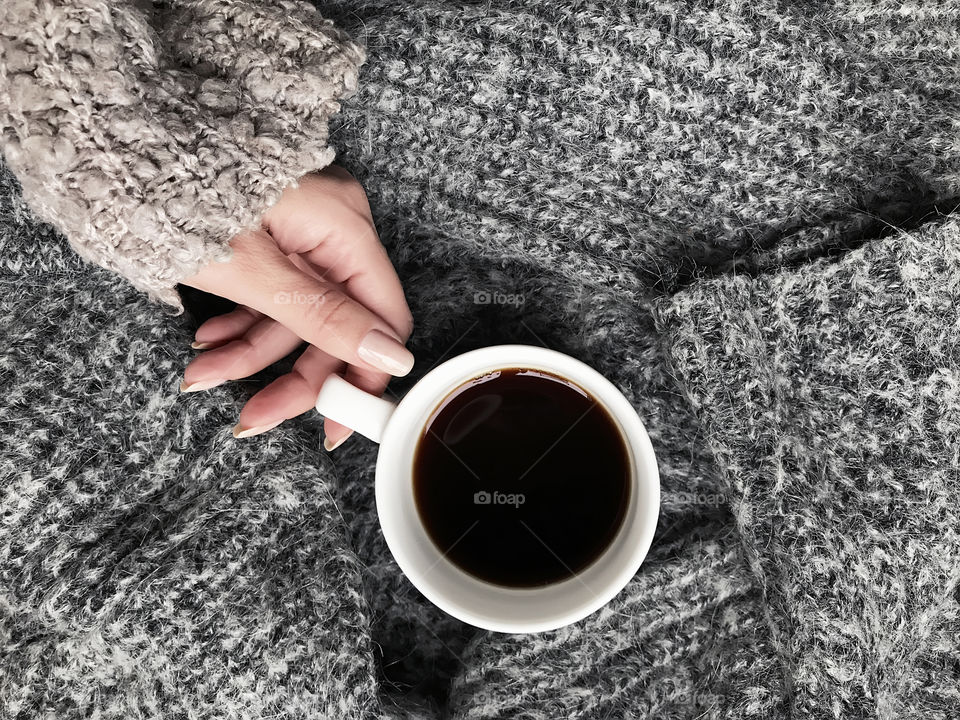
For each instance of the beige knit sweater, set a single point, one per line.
(151, 133)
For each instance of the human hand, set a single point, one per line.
(315, 272)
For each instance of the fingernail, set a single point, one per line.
(239, 431)
(201, 385)
(330, 447)
(203, 346)
(385, 353)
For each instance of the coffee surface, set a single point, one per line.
(521, 478)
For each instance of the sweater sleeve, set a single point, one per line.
(150, 134)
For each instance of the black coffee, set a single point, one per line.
(521, 478)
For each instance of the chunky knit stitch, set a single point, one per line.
(631, 145)
(830, 396)
(152, 145)
(656, 185)
(152, 566)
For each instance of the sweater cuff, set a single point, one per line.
(150, 143)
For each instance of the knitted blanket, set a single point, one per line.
(738, 212)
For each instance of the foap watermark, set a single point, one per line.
(299, 298)
(498, 498)
(709, 499)
(495, 297)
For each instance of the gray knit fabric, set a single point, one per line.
(830, 396)
(672, 192)
(629, 143)
(151, 566)
(150, 137)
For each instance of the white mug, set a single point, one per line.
(398, 428)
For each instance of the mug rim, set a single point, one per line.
(402, 434)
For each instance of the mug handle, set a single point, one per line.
(351, 406)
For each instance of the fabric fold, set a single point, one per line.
(685, 639)
(150, 564)
(830, 397)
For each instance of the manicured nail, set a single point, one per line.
(239, 431)
(203, 346)
(385, 353)
(201, 385)
(330, 447)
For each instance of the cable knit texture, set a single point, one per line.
(151, 136)
(738, 212)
